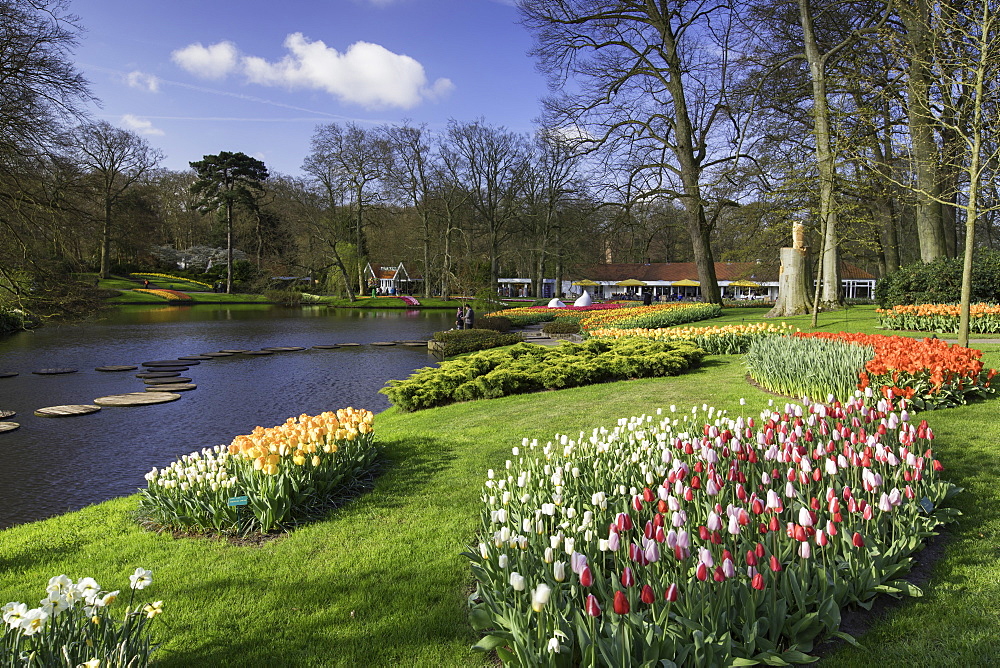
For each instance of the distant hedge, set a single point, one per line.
(940, 282)
(530, 367)
(460, 341)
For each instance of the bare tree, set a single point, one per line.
(114, 160)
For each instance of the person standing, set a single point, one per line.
(459, 318)
(470, 317)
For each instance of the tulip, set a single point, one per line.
(591, 606)
(775, 564)
(627, 578)
(517, 581)
(540, 597)
(647, 596)
(702, 572)
(758, 582)
(671, 593)
(586, 577)
(857, 540)
(559, 571)
(577, 561)
(621, 605)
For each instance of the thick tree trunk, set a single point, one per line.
(229, 248)
(793, 291)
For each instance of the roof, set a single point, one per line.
(679, 271)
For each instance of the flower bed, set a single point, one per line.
(169, 295)
(715, 340)
(701, 539)
(279, 476)
(651, 317)
(943, 318)
(178, 279)
(532, 315)
(74, 626)
(931, 373)
(527, 367)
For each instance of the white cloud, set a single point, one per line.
(207, 62)
(366, 74)
(143, 81)
(140, 125)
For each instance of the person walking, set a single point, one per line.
(470, 317)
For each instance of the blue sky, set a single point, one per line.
(196, 77)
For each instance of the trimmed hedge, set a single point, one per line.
(497, 323)
(461, 341)
(529, 368)
(562, 326)
(940, 282)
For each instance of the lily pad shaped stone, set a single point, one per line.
(67, 410)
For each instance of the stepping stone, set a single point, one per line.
(283, 349)
(137, 399)
(171, 363)
(194, 358)
(7, 374)
(117, 367)
(54, 371)
(415, 344)
(220, 354)
(67, 410)
(158, 374)
(8, 426)
(165, 381)
(6, 414)
(165, 369)
(175, 387)
(330, 346)
(234, 352)
(259, 352)
(350, 344)
(383, 343)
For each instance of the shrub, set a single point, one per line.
(74, 627)
(283, 297)
(614, 547)
(461, 341)
(562, 326)
(287, 474)
(940, 282)
(528, 368)
(497, 323)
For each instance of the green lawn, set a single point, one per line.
(381, 581)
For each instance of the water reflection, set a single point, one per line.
(52, 465)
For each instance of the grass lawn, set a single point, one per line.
(381, 581)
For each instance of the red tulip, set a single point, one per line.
(586, 577)
(648, 495)
(718, 575)
(757, 582)
(775, 564)
(702, 572)
(647, 596)
(621, 603)
(857, 540)
(593, 609)
(627, 579)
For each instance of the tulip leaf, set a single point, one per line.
(490, 643)
(846, 637)
(480, 619)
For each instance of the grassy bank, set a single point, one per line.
(381, 581)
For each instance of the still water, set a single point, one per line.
(52, 465)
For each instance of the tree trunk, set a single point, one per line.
(229, 247)
(793, 291)
(106, 240)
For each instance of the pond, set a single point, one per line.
(53, 465)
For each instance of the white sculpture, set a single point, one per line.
(555, 303)
(583, 300)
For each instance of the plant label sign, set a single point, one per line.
(927, 505)
(238, 501)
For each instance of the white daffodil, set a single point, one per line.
(13, 614)
(141, 578)
(58, 583)
(33, 621)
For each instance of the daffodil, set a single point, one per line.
(153, 609)
(141, 578)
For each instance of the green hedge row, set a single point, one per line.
(461, 341)
(940, 282)
(529, 368)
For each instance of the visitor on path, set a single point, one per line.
(145, 283)
(459, 318)
(470, 317)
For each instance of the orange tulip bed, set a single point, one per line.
(279, 476)
(931, 373)
(943, 318)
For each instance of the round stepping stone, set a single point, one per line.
(136, 399)
(54, 371)
(415, 344)
(327, 347)
(6, 414)
(383, 343)
(194, 358)
(234, 352)
(170, 363)
(219, 354)
(350, 344)
(116, 367)
(166, 381)
(283, 349)
(67, 410)
(158, 374)
(175, 387)
(7, 374)
(8, 426)
(259, 352)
